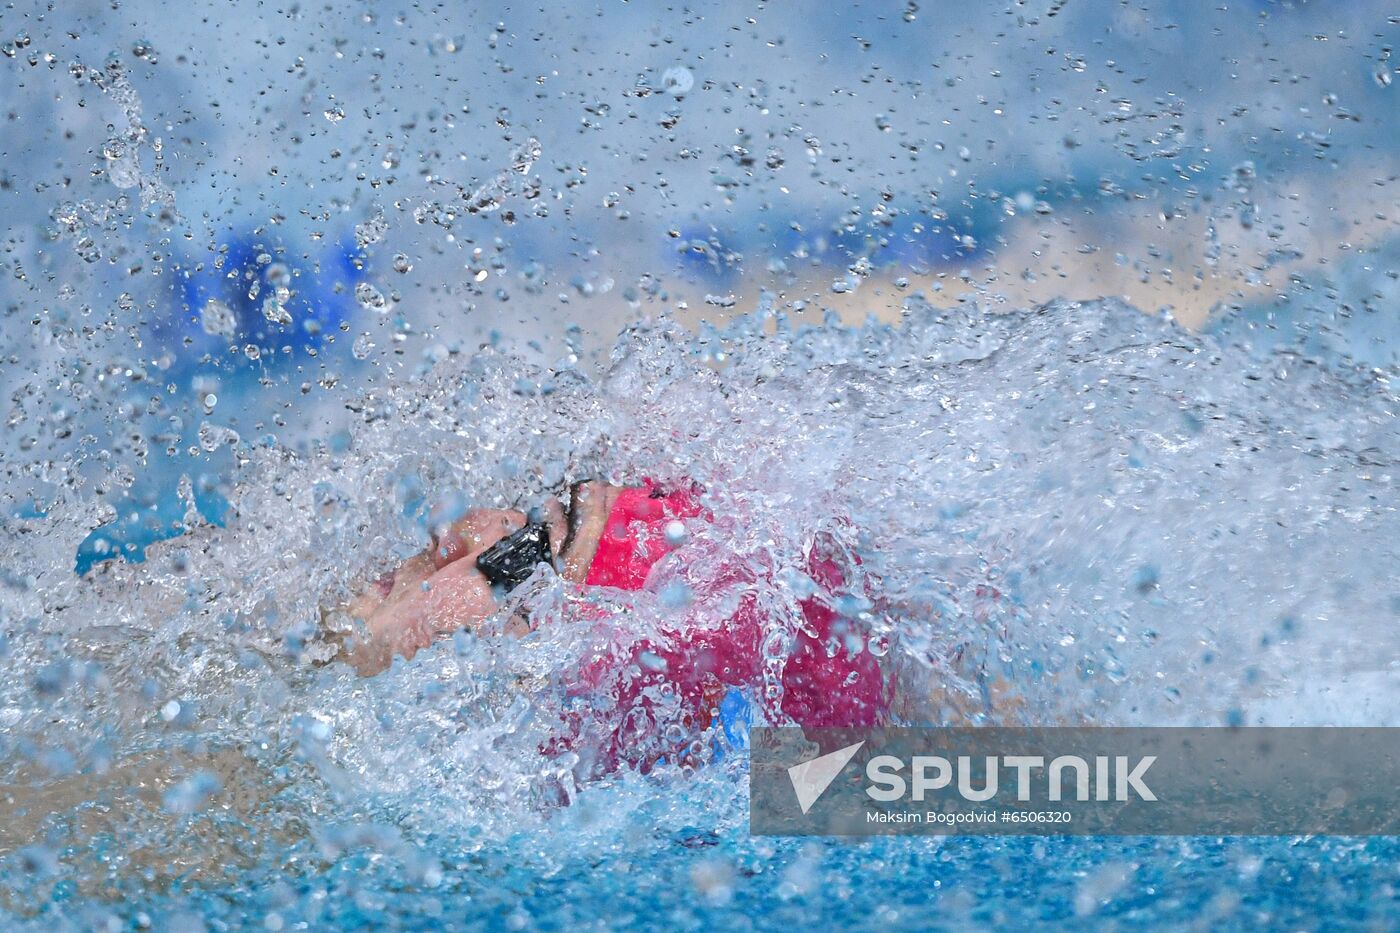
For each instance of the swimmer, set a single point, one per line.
(617, 537)
(442, 589)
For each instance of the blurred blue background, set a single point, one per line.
(418, 178)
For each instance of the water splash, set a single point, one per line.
(1073, 513)
(489, 196)
(122, 163)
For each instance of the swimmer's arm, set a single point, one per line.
(589, 505)
(434, 592)
(441, 590)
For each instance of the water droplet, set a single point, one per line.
(675, 533)
(362, 347)
(278, 275)
(213, 436)
(677, 81)
(219, 320)
(372, 230)
(371, 298)
(275, 313)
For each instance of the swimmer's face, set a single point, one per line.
(441, 589)
(473, 533)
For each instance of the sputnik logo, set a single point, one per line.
(811, 778)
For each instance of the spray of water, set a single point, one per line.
(1074, 513)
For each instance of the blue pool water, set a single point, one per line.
(1072, 323)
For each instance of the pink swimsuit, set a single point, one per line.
(824, 684)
